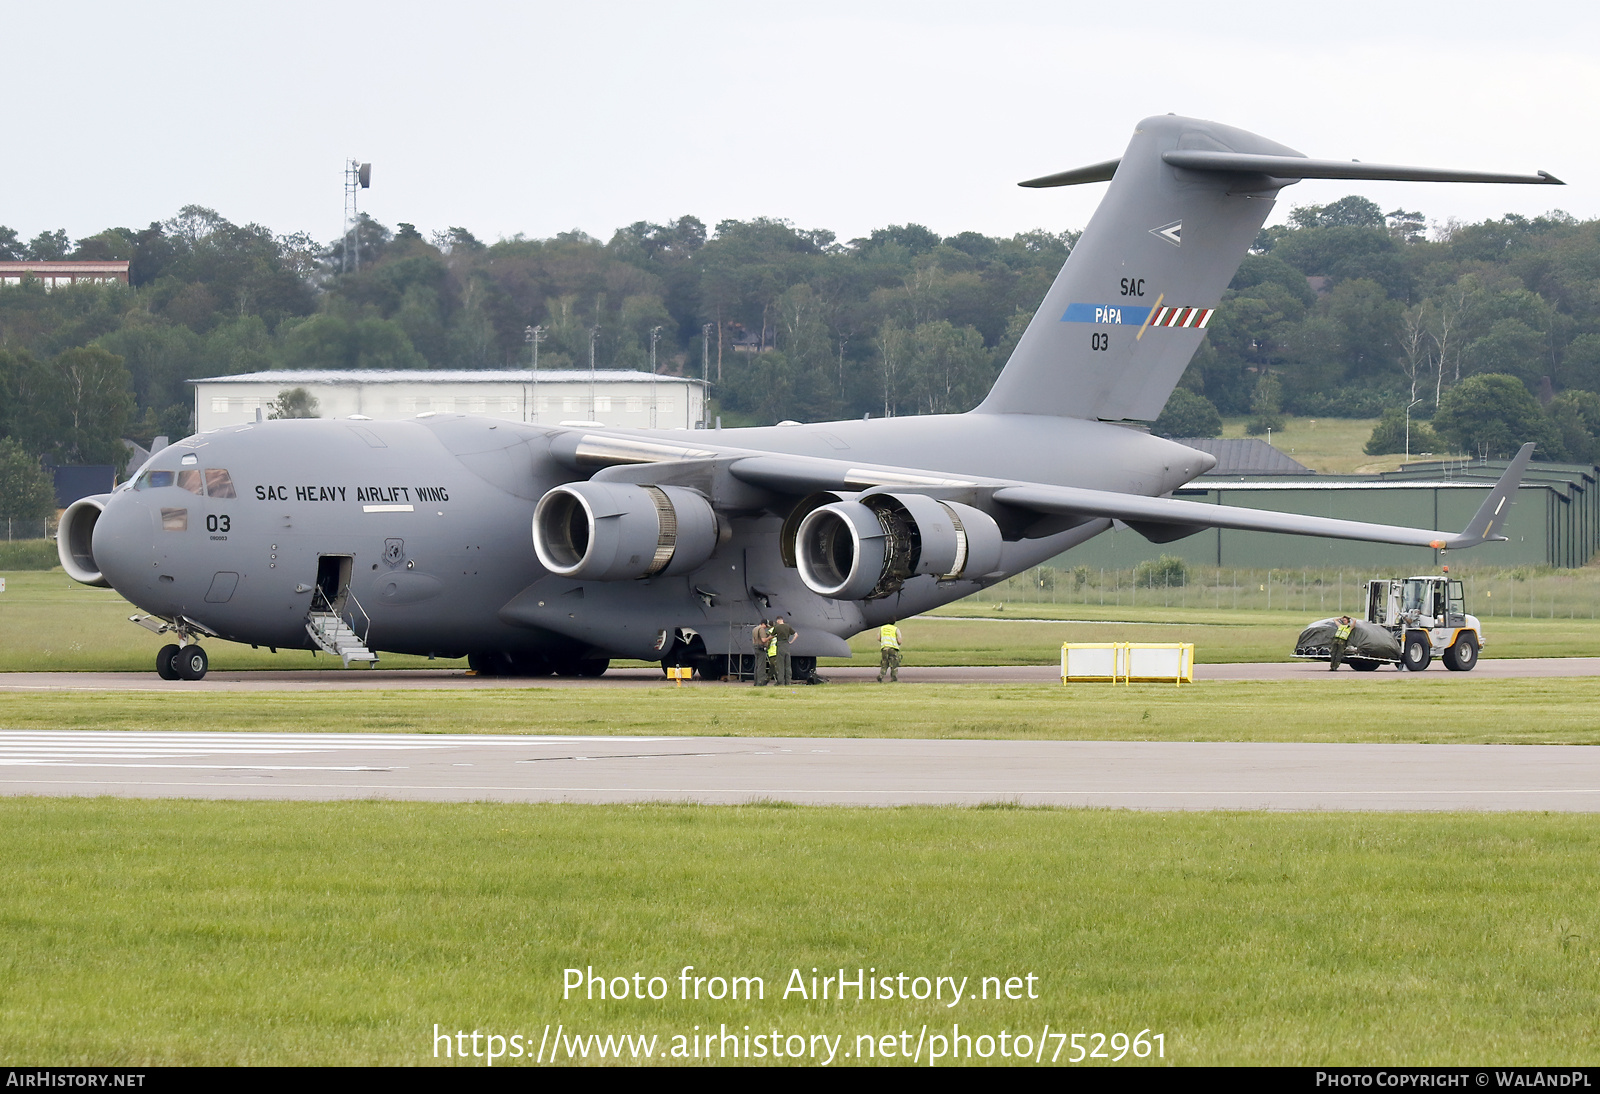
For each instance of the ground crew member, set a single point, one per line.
(1341, 638)
(889, 648)
(783, 637)
(760, 639)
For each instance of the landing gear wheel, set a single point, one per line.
(594, 667)
(1416, 653)
(527, 664)
(1364, 665)
(167, 662)
(1462, 656)
(193, 663)
(488, 664)
(713, 668)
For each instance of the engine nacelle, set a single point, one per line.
(75, 540)
(604, 531)
(866, 547)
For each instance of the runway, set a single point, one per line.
(454, 678)
(810, 771)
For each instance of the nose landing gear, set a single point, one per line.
(180, 660)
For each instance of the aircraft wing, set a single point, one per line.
(621, 457)
(793, 474)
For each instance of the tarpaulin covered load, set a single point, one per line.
(1367, 641)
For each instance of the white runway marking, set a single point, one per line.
(104, 748)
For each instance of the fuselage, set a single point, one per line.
(426, 523)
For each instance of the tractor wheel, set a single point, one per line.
(1462, 656)
(1416, 652)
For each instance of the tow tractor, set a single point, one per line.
(1425, 616)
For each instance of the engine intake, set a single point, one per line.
(866, 547)
(75, 540)
(605, 531)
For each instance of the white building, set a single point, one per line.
(633, 400)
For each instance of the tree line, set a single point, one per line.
(1343, 311)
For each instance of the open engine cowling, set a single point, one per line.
(75, 540)
(604, 531)
(866, 547)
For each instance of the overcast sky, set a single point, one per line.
(540, 117)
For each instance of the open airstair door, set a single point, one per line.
(333, 581)
(336, 614)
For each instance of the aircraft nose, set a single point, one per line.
(122, 548)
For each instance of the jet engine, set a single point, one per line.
(75, 540)
(604, 531)
(865, 547)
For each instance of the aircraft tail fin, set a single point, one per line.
(1131, 305)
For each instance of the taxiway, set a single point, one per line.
(812, 771)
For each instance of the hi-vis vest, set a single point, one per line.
(889, 637)
(1343, 631)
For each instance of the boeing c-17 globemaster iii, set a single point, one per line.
(356, 537)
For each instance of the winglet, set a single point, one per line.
(1495, 509)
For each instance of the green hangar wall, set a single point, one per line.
(1554, 522)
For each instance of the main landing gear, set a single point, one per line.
(176, 662)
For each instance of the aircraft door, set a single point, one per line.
(333, 581)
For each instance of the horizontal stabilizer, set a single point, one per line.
(1299, 167)
(1293, 167)
(1095, 172)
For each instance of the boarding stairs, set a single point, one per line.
(335, 634)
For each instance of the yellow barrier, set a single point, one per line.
(680, 673)
(1146, 662)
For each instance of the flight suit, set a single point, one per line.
(889, 650)
(782, 636)
(769, 664)
(1341, 638)
(760, 639)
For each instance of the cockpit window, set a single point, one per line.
(152, 480)
(174, 520)
(189, 479)
(219, 484)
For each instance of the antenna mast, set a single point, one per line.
(357, 177)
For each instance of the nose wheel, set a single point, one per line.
(167, 662)
(182, 663)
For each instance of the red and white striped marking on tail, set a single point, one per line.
(1194, 318)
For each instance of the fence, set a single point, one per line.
(1512, 592)
(29, 529)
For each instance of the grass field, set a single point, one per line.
(182, 932)
(1429, 709)
(226, 933)
(48, 622)
(1330, 446)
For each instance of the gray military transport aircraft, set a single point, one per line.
(360, 536)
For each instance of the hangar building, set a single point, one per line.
(633, 400)
(1555, 522)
